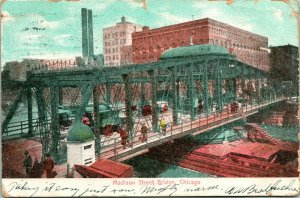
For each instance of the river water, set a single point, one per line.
(163, 162)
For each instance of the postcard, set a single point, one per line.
(140, 98)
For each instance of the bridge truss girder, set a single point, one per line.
(176, 71)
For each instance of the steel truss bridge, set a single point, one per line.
(184, 78)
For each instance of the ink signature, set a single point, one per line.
(31, 189)
(253, 189)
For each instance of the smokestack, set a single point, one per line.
(85, 48)
(90, 34)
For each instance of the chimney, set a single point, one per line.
(85, 48)
(90, 34)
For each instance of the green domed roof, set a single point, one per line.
(194, 50)
(80, 132)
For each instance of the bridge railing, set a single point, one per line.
(22, 127)
(112, 147)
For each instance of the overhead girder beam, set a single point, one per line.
(29, 109)
(80, 76)
(55, 129)
(218, 86)
(42, 114)
(153, 81)
(206, 91)
(12, 109)
(191, 92)
(96, 119)
(175, 85)
(128, 100)
(87, 91)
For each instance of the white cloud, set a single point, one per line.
(63, 39)
(212, 13)
(48, 24)
(28, 38)
(134, 3)
(200, 4)
(52, 55)
(167, 18)
(217, 14)
(277, 14)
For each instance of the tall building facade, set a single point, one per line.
(250, 48)
(284, 65)
(117, 43)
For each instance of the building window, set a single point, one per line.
(87, 147)
(117, 57)
(113, 49)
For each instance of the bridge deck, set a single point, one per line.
(114, 150)
(13, 150)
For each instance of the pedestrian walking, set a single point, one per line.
(48, 166)
(124, 137)
(163, 126)
(27, 163)
(37, 169)
(144, 130)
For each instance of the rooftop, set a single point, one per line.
(194, 50)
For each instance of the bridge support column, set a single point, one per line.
(108, 93)
(142, 103)
(257, 87)
(153, 80)
(128, 99)
(86, 93)
(243, 82)
(55, 129)
(61, 96)
(29, 108)
(96, 119)
(175, 95)
(191, 91)
(218, 86)
(234, 88)
(206, 93)
(43, 123)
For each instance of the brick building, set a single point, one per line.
(117, 43)
(284, 65)
(250, 48)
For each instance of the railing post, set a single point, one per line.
(147, 138)
(199, 121)
(181, 126)
(21, 126)
(207, 119)
(115, 146)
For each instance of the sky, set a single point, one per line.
(43, 29)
